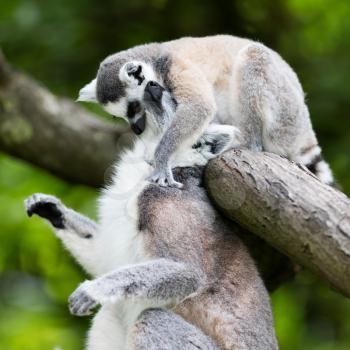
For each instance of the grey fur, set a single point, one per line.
(241, 83)
(197, 259)
(77, 232)
(73, 222)
(197, 265)
(186, 259)
(160, 280)
(162, 329)
(162, 64)
(109, 87)
(231, 300)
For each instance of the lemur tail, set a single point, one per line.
(313, 160)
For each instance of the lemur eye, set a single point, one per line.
(132, 69)
(135, 71)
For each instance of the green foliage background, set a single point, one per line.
(61, 43)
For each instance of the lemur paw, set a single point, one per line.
(80, 302)
(47, 207)
(164, 179)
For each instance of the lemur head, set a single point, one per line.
(132, 90)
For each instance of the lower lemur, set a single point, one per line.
(169, 272)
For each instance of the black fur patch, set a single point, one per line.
(216, 146)
(134, 107)
(137, 75)
(197, 145)
(313, 164)
(50, 212)
(139, 125)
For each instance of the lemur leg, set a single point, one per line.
(77, 232)
(217, 139)
(156, 282)
(270, 96)
(159, 329)
(195, 109)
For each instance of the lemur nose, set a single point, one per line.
(153, 85)
(155, 90)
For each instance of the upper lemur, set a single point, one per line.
(170, 273)
(224, 79)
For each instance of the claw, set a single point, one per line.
(164, 179)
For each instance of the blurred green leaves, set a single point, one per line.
(36, 274)
(61, 43)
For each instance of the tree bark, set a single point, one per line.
(55, 133)
(288, 207)
(265, 194)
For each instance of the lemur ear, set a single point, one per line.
(88, 92)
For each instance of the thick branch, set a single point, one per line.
(65, 139)
(54, 133)
(288, 207)
(268, 195)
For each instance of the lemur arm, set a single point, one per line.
(77, 232)
(158, 281)
(195, 109)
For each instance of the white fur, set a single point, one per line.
(84, 250)
(307, 157)
(119, 241)
(249, 86)
(107, 331)
(147, 72)
(118, 208)
(88, 92)
(324, 172)
(133, 90)
(117, 109)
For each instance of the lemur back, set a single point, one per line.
(233, 305)
(222, 79)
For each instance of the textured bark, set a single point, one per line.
(58, 135)
(55, 133)
(266, 194)
(288, 207)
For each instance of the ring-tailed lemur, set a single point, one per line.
(225, 79)
(170, 274)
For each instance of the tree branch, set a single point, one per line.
(288, 207)
(264, 193)
(55, 133)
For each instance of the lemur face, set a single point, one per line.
(128, 90)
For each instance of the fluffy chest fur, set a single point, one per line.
(120, 242)
(119, 238)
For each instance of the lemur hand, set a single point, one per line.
(46, 206)
(81, 303)
(164, 178)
